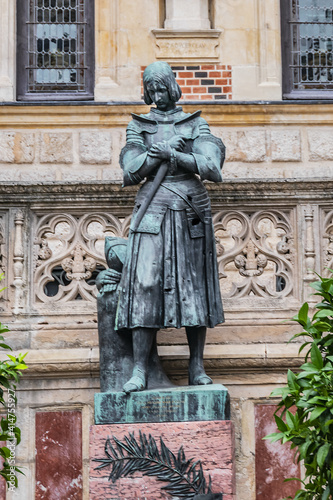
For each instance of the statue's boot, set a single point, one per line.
(138, 382)
(196, 337)
(143, 339)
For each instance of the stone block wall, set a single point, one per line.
(262, 141)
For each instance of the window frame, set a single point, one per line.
(287, 83)
(22, 75)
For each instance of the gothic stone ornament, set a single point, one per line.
(170, 276)
(78, 267)
(69, 253)
(251, 263)
(258, 254)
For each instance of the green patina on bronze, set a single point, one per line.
(179, 404)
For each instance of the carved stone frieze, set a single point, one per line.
(69, 253)
(256, 253)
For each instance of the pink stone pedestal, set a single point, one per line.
(212, 442)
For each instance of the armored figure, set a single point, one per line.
(170, 277)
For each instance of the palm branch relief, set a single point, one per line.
(185, 477)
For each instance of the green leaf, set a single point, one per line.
(323, 313)
(290, 420)
(11, 357)
(322, 454)
(280, 424)
(316, 357)
(317, 412)
(302, 316)
(275, 436)
(326, 493)
(291, 377)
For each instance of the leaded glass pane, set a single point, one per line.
(56, 46)
(311, 30)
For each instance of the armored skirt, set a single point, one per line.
(170, 275)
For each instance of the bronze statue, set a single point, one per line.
(170, 277)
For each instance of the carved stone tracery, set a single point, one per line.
(69, 253)
(258, 254)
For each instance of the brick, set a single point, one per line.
(206, 97)
(229, 67)
(186, 90)
(208, 66)
(286, 145)
(95, 147)
(229, 96)
(215, 74)
(193, 67)
(186, 74)
(193, 82)
(207, 82)
(200, 74)
(320, 144)
(56, 147)
(191, 97)
(214, 90)
(226, 74)
(222, 66)
(199, 90)
(223, 81)
(220, 96)
(181, 82)
(177, 68)
(226, 90)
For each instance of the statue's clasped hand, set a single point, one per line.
(163, 150)
(108, 277)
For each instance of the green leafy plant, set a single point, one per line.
(309, 430)
(10, 372)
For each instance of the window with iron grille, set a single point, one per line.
(55, 53)
(307, 49)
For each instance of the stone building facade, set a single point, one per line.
(61, 194)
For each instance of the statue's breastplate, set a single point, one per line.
(164, 132)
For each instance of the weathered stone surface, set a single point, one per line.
(274, 462)
(7, 147)
(79, 174)
(17, 147)
(286, 145)
(58, 455)
(95, 147)
(46, 337)
(56, 147)
(245, 145)
(210, 442)
(179, 404)
(112, 174)
(39, 174)
(320, 144)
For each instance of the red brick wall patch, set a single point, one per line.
(203, 82)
